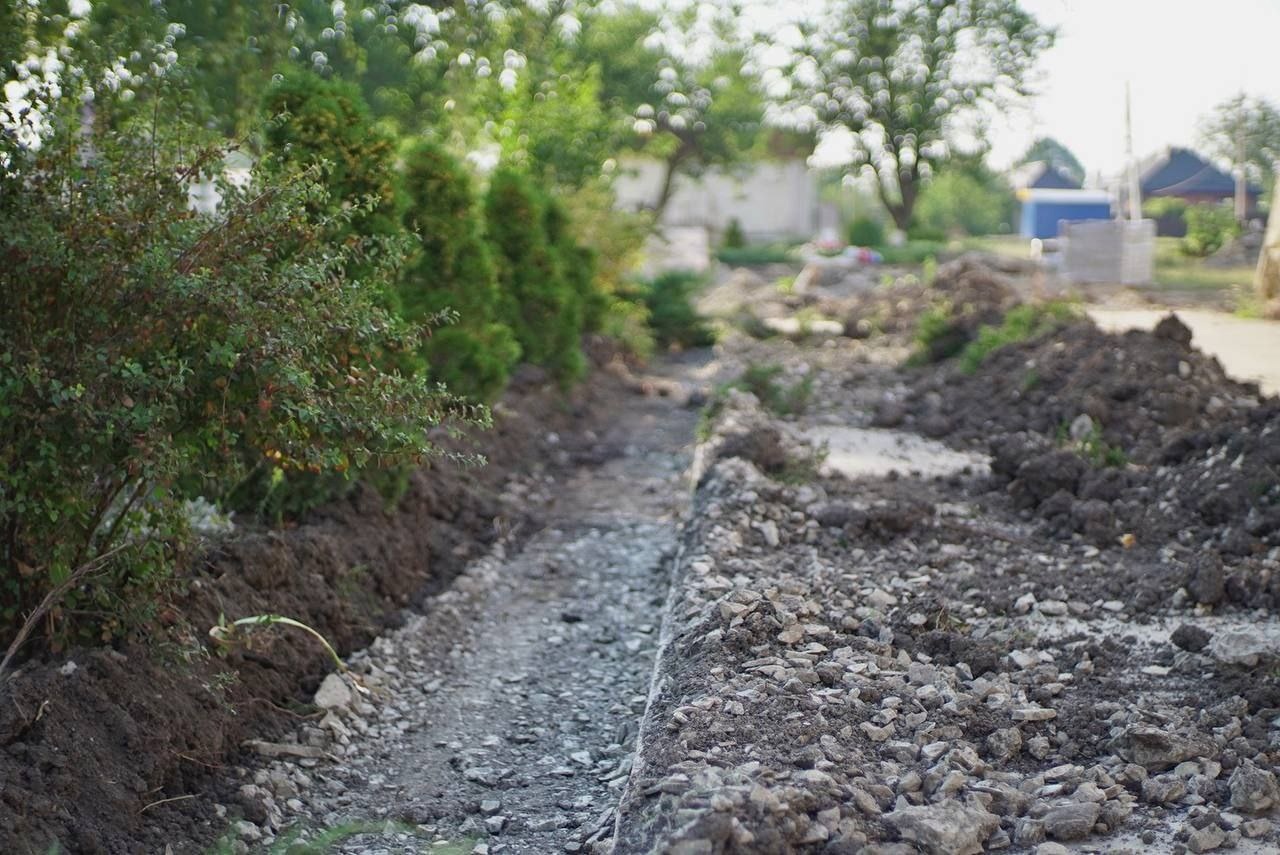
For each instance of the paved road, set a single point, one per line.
(1248, 349)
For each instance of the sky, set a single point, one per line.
(1180, 57)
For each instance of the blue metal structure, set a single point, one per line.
(1043, 209)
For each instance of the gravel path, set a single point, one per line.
(503, 719)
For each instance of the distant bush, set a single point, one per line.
(1170, 214)
(1208, 228)
(149, 354)
(734, 238)
(453, 270)
(672, 317)
(540, 304)
(1020, 323)
(783, 399)
(864, 231)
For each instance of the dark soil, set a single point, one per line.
(109, 750)
(1177, 457)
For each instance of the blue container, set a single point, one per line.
(1043, 210)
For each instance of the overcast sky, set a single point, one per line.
(1181, 57)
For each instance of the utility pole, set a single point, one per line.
(1242, 197)
(1135, 192)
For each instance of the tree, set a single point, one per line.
(452, 271)
(540, 304)
(1245, 132)
(902, 75)
(690, 112)
(1058, 156)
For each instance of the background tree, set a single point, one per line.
(1058, 156)
(693, 106)
(902, 75)
(1245, 126)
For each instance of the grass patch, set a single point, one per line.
(756, 254)
(1176, 271)
(1093, 447)
(323, 841)
(763, 381)
(1020, 324)
(911, 252)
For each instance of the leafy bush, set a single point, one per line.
(777, 397)
(1020, 323)
(672, 317)
(1170, 214)
(540, 305)
(939, 335)
(864, 231)
(144, 347)
(960, 200)
(734, 238)
(1208, 228)
(452, 271)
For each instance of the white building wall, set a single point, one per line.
(771, 199)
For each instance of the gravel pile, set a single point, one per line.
(882, 666)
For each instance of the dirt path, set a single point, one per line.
(1248, 349)
(512, 703)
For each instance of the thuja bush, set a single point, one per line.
(143, 345)
(577, 264)
(541, 306)
(452, 271)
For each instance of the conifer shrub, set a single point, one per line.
(540, 304)
(452, 271)
(149, 354)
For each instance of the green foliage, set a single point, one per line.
(1208, 228)
(541, 305)
(898, 74)
(1093, 447)
(1020, 323)
(1058, 156)
(147, 351)
(1251, 123)
(453, 272)
(777, 397)
(756, 254)
(1169, 212)
(912, 252)
(734, 238)
(668, 298)
(965, 198)
(938, 335)
(864, 231)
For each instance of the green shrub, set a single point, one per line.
(734, 238)
(939, 335)
(540, 305)
(147, 351)
(453, 271)
(777, 397)
(1208, 228)
(864, 231)
(672, 317)
(1020, 323)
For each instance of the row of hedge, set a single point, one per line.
(261, 356)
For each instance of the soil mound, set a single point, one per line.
(1119, 438)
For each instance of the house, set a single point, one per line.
(1040, 175)
(1182, 174)
(1044, 210)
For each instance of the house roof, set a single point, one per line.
(1038, 174)
(1179, 171)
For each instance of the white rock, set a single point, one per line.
(333, 693)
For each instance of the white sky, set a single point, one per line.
(1181, 57)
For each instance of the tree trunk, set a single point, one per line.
(902, 208)
(668, 183)
(1267, 278)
